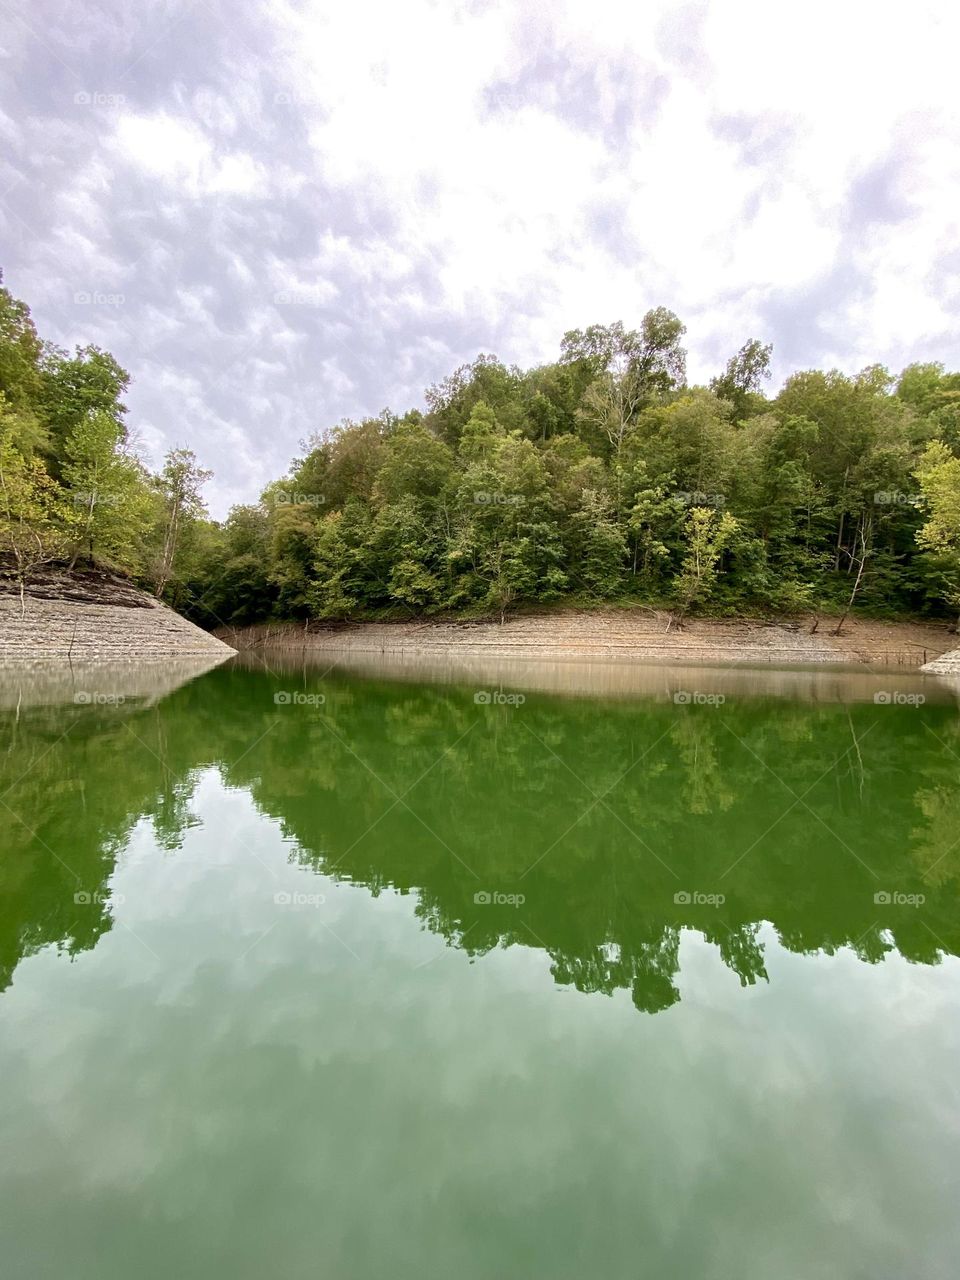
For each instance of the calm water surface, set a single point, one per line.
(309, 973)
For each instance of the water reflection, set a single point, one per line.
(593, 830)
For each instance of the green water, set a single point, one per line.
(377, 980)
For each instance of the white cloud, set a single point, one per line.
(177, 151)
(429, 180)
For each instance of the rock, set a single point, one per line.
(948, 664)
(93, 615)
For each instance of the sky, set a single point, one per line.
(279, 215)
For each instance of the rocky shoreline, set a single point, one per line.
(634, 635)
(93, 616)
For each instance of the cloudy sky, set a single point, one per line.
(277, 215)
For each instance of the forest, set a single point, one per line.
(600, 477)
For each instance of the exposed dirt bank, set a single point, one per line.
(638, 635)
(92, 615)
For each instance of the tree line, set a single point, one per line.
(600, 477)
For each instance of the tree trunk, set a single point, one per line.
(840, 542)
(853, 593)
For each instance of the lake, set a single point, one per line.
(326, 972)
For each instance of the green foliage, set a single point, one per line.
(707, 534)
(108, 491)
(600, 476)
(939, 475)
(90, 383)
(740, 381)
(34, 519)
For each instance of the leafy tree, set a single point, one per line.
(20, 378)
(653, 355)
(74, 387)
(34, 518)
(108, 490)
(407, 542)
(451, 402)
(599, 547)
(707, 534)
(290, 558)
(179, 486)
(939, 476)
(740, 381)
(414, 462)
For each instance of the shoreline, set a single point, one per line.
(94, 616)
(619, 635)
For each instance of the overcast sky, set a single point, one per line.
(278, 215)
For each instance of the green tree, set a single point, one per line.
(108, 490)
(939, 475)
(34, 519)
(179, 485)
(20, 378)
(707, 534)
(599, 552)
(413, 462)
(740, 381)
(74, 387)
